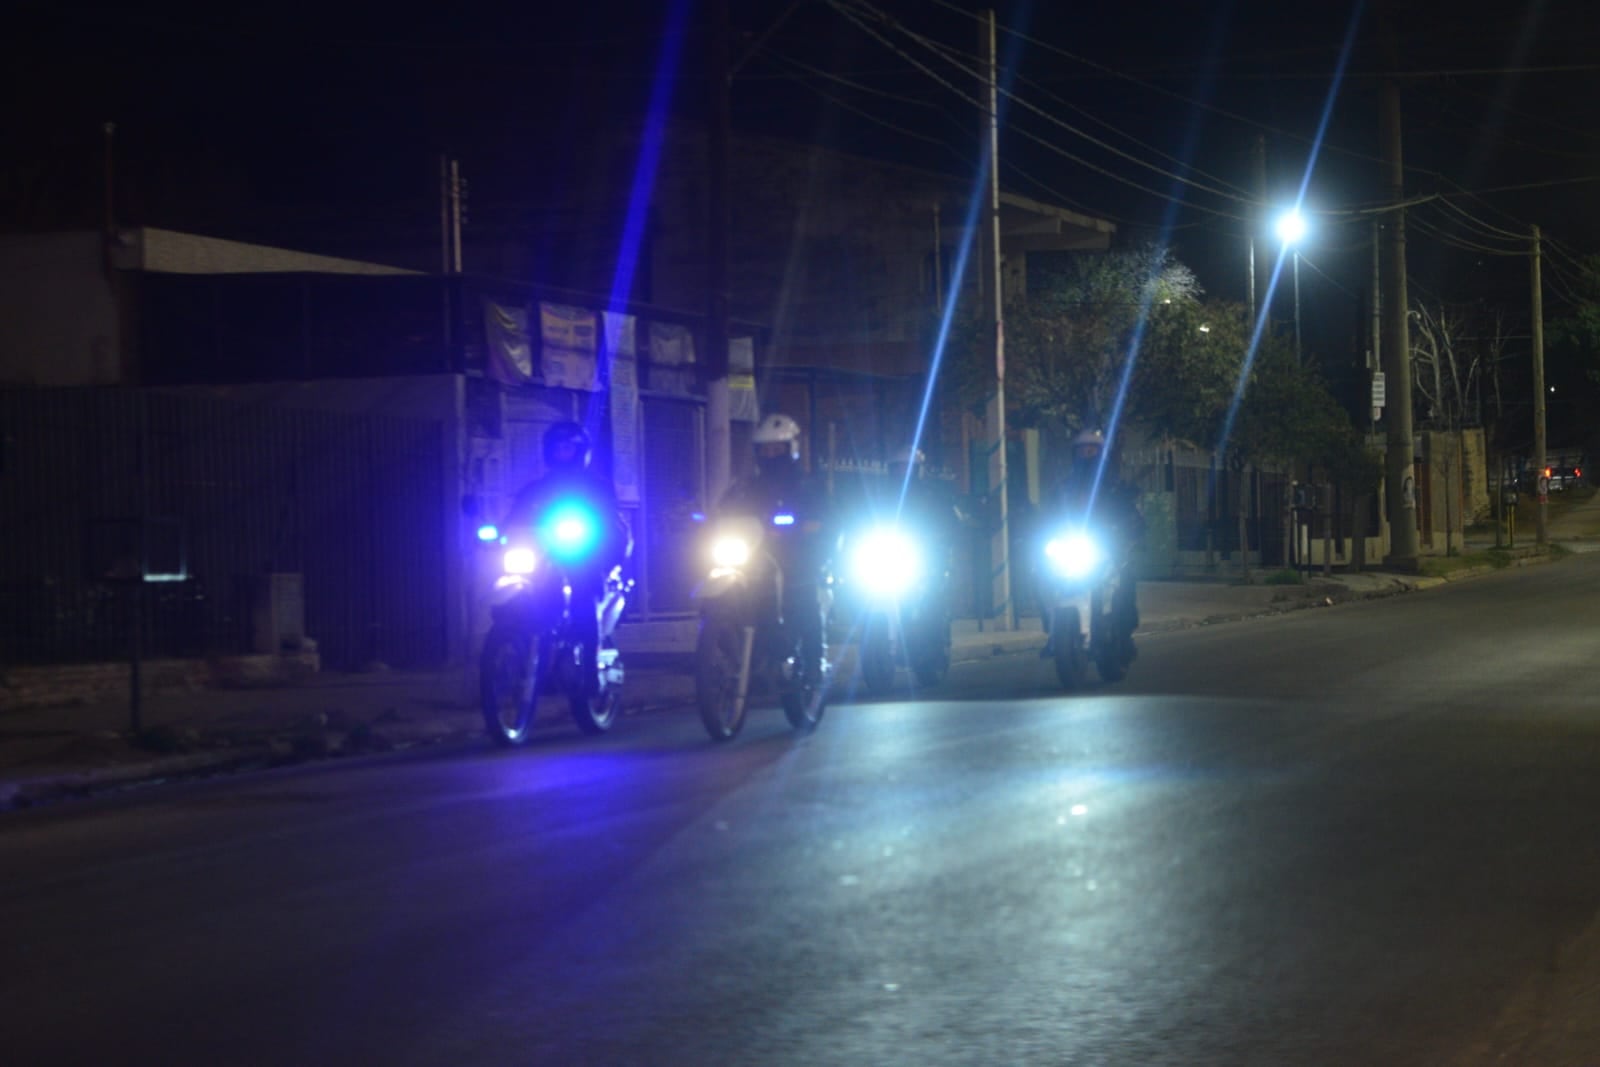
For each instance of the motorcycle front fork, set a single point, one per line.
(746, 649)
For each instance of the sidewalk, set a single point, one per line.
(54, 753)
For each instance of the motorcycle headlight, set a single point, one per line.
(730, 552)
(887, 562)
(520, 561)
(1073, 555)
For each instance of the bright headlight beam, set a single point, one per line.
(519, 561)
(1073, 555)
(730, 552)
(887, 562)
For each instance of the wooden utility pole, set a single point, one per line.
(994, 322)
(719, 424)
(1542, 515)
(1399, 469)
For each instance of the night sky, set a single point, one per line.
(293, 123)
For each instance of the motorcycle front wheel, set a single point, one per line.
(508, 685)
(805, 699)
(718, 658)
(930, 660)
(1113, 662)
(597, 712)
(1072, 660)
(877, 655)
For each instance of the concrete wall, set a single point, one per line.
(58, 313)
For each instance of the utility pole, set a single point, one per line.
(455, 216)
(719, 425)
(446, 227)
(994, 321)
(1399, 469)
(1258, 221)
(1375, 355)
(1541, 527)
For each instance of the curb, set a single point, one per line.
(284, 749)
(22, 793)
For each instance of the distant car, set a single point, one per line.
(1565, 477)
(1562, 476)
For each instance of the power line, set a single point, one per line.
(1329, 278)
(950, 56)
(963, 157)
(1459, 242)
(865, 28)
(1486, 227)
(1201, 104)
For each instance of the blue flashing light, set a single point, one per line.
(783, 518)
(570, 531)
(488, 532)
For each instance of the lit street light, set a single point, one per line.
(1291, 228)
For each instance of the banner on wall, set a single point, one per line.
(508, 348)
(671, 358)
(568, 339)
(742, 402)
(623, 398)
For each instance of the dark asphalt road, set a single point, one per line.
(1356, 836)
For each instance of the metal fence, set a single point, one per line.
(241, 490)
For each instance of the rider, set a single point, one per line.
(1093, 489)
(781, 485)
(568, 479)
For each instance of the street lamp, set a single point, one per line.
(1291, 229)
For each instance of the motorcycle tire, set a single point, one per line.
(598, 712)
(804, 705)
(1110, 667)
(1113, 663)
(1072, 662)
(877, 657)
(718, 653)
(504, 685)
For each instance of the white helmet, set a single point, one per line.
(1089, 437)
(774, 429)
(776, 440)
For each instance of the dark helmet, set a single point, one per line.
(567, 447)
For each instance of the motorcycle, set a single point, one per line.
(745, 644)
(1080, 588)
(532, 647)
(903, 614)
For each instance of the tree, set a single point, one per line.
(1573, 353)
(1577, 333)
(1067, 345)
